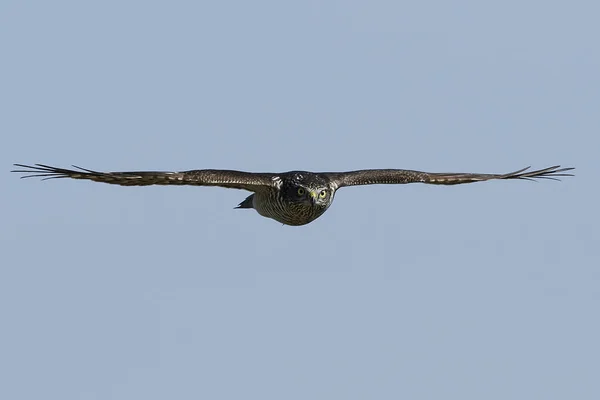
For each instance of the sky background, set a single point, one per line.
(483, 291)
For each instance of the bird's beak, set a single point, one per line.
(313, 196)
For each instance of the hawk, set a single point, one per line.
(292, 198)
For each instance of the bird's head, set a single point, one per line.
(307, 190)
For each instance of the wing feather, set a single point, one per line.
(204, 177)
(401, 176)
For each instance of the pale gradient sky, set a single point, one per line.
(484, 291)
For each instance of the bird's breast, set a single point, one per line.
(288, 213)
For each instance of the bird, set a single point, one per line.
(292, 198)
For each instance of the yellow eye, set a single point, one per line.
(322, 194)
(301, 191)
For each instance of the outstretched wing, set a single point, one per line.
(396, 176)
(203, 177)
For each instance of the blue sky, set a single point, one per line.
(482, 291)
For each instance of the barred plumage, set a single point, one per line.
(286, 205)
(292, 198)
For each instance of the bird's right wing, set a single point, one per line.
(203, 177)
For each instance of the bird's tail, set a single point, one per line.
(248, 203)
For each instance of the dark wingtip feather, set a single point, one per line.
(546, 173)
(40, 171)
(85, 169)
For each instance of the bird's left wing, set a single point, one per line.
(398, 176)
(203, 177)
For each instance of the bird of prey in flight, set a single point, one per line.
(292, 198)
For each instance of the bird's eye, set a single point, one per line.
(301, 191)
(322, 194)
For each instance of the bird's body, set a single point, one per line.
(292, 198)
(298, 197)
